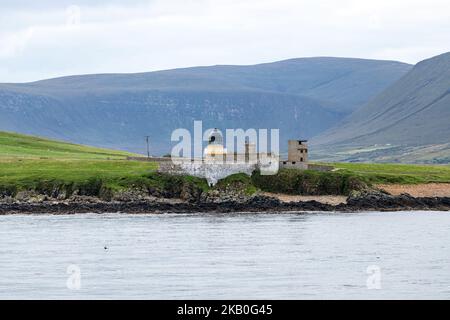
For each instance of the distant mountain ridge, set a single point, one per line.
(302, 97)
(412, 114)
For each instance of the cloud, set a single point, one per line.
(73, 15)
(14, 44)
(134, 36)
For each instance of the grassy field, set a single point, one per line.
(28, 162)
(397, 173)
(28, 173)
(13, 145)
(31, 163)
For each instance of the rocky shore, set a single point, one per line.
(371, 201)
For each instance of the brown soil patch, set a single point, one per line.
(419, 190)
(332, 200)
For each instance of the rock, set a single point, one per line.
(194, 200)
(216, 196)
(190, 193)
(76, 199)
(27, 196)
(8, 200)
(264, 201)
(131, 195)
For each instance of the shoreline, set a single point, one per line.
(262, 204)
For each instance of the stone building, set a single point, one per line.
(297, 155)
(218, 162)
(216, 152)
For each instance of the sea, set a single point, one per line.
(365, 255)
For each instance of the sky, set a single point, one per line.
(45, 39)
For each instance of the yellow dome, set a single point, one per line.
(214, 150)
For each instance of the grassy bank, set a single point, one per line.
(100, 178)
(60, 169)
(14, 145)
(308, 182)
(54, 167)
(33, 163)
(349, 176)
(396, 173)
(94, 177)
(28, 173)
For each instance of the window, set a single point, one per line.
(293, 162)
(301, 159)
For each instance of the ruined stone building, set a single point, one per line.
(217, 162)
(297, 155)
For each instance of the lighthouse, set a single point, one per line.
(215, 149)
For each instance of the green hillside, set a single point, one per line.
(29, 163)
(14, 145)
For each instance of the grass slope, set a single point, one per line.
(14, 145)
(29, 163)
(397, 173)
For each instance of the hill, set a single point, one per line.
(14, 145)
(30, 163)
(302, 97)
(408, 122)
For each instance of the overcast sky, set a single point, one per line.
(43, 39)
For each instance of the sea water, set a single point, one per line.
(364, 255)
